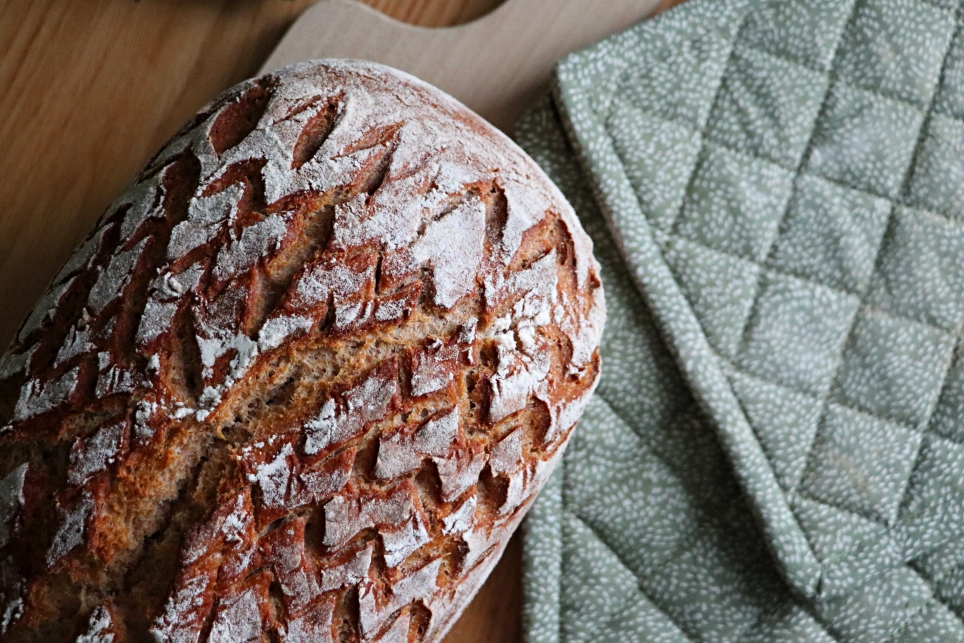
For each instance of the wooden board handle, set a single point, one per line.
(497, 64)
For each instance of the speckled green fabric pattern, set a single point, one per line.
(776, 448)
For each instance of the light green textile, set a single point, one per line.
(776, 448)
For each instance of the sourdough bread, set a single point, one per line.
(303, 379)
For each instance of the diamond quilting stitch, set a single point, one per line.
(869, 260)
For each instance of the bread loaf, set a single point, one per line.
(303, 379)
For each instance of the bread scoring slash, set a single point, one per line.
(301, 382)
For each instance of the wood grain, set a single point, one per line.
(434, 13)
(496, 65)
(91, 88)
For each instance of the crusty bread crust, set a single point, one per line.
(303, 379)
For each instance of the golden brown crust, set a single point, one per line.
(301, 382)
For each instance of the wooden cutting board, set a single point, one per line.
(497, 64)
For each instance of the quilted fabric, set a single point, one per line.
(776, 448)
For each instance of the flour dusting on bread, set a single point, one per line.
(303, 379)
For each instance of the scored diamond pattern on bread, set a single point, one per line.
(302, 380)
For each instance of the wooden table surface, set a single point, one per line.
(89, 89)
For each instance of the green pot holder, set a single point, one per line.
(776, 450)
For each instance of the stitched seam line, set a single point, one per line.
(689, 636)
